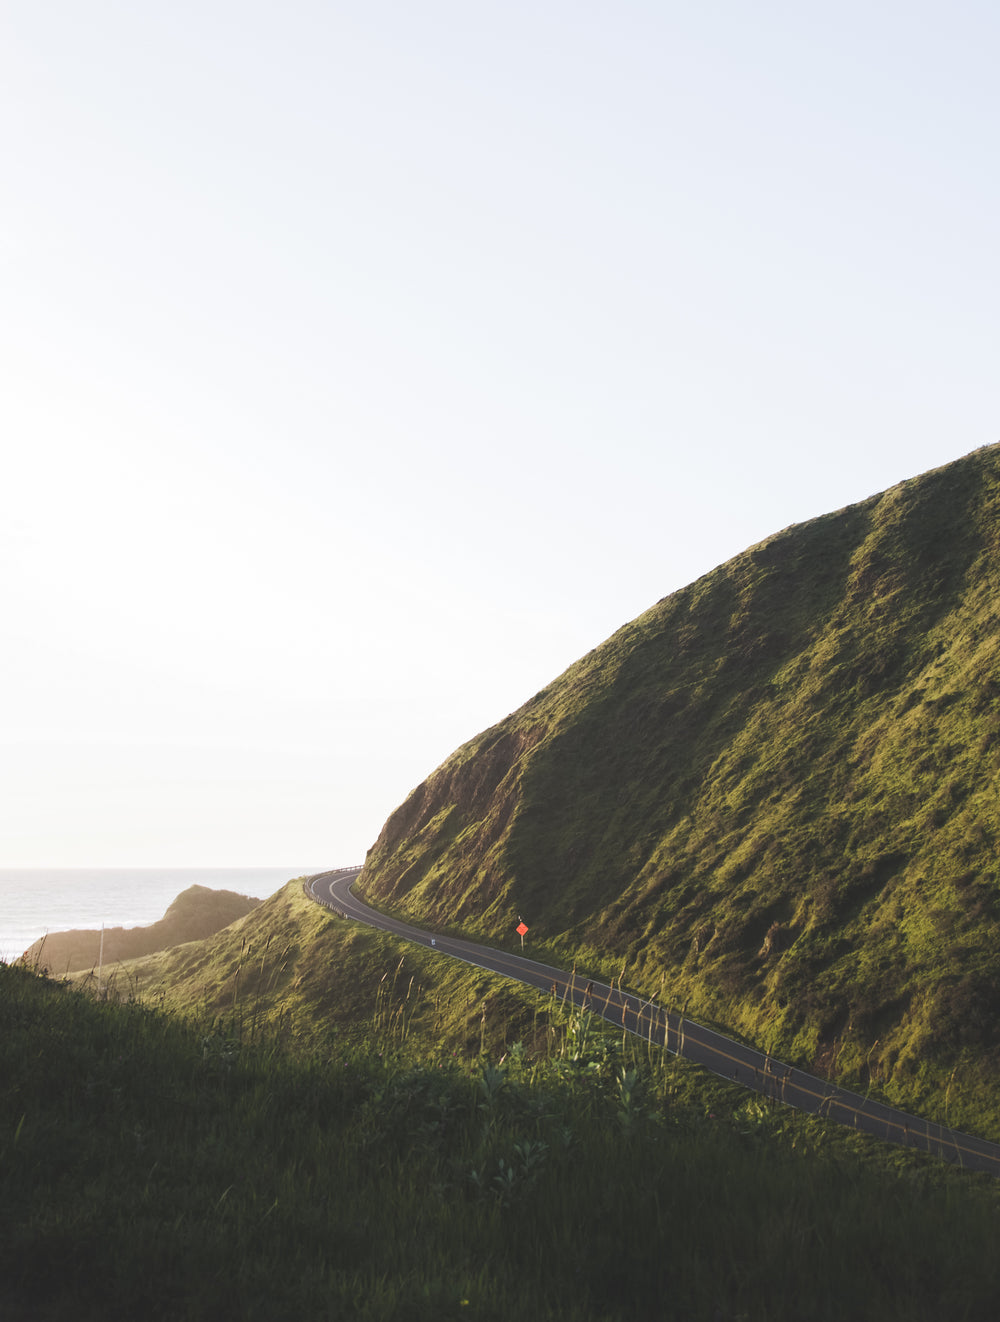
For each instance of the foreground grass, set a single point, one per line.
(151, 1169)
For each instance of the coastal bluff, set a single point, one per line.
(197, 912)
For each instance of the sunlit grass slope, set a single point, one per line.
(773, 796)
(295, 973)
(171, 1171)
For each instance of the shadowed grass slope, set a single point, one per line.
(152, 1169)
(773, 795)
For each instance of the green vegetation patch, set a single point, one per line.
(292, 972)
(156, 1169)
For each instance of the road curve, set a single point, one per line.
(680, 1036)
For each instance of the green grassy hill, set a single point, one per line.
(773, 797)
(292, 972)
(196, 913)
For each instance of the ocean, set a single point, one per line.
(34, 901)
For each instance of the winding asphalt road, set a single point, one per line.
(680, 1036)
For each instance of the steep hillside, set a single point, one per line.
(773, 795)
(196, 913)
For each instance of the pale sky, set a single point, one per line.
(364, 364)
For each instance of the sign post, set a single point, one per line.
(521, 928)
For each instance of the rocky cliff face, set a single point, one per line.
(775, 791)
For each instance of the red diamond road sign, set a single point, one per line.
(521, 929)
